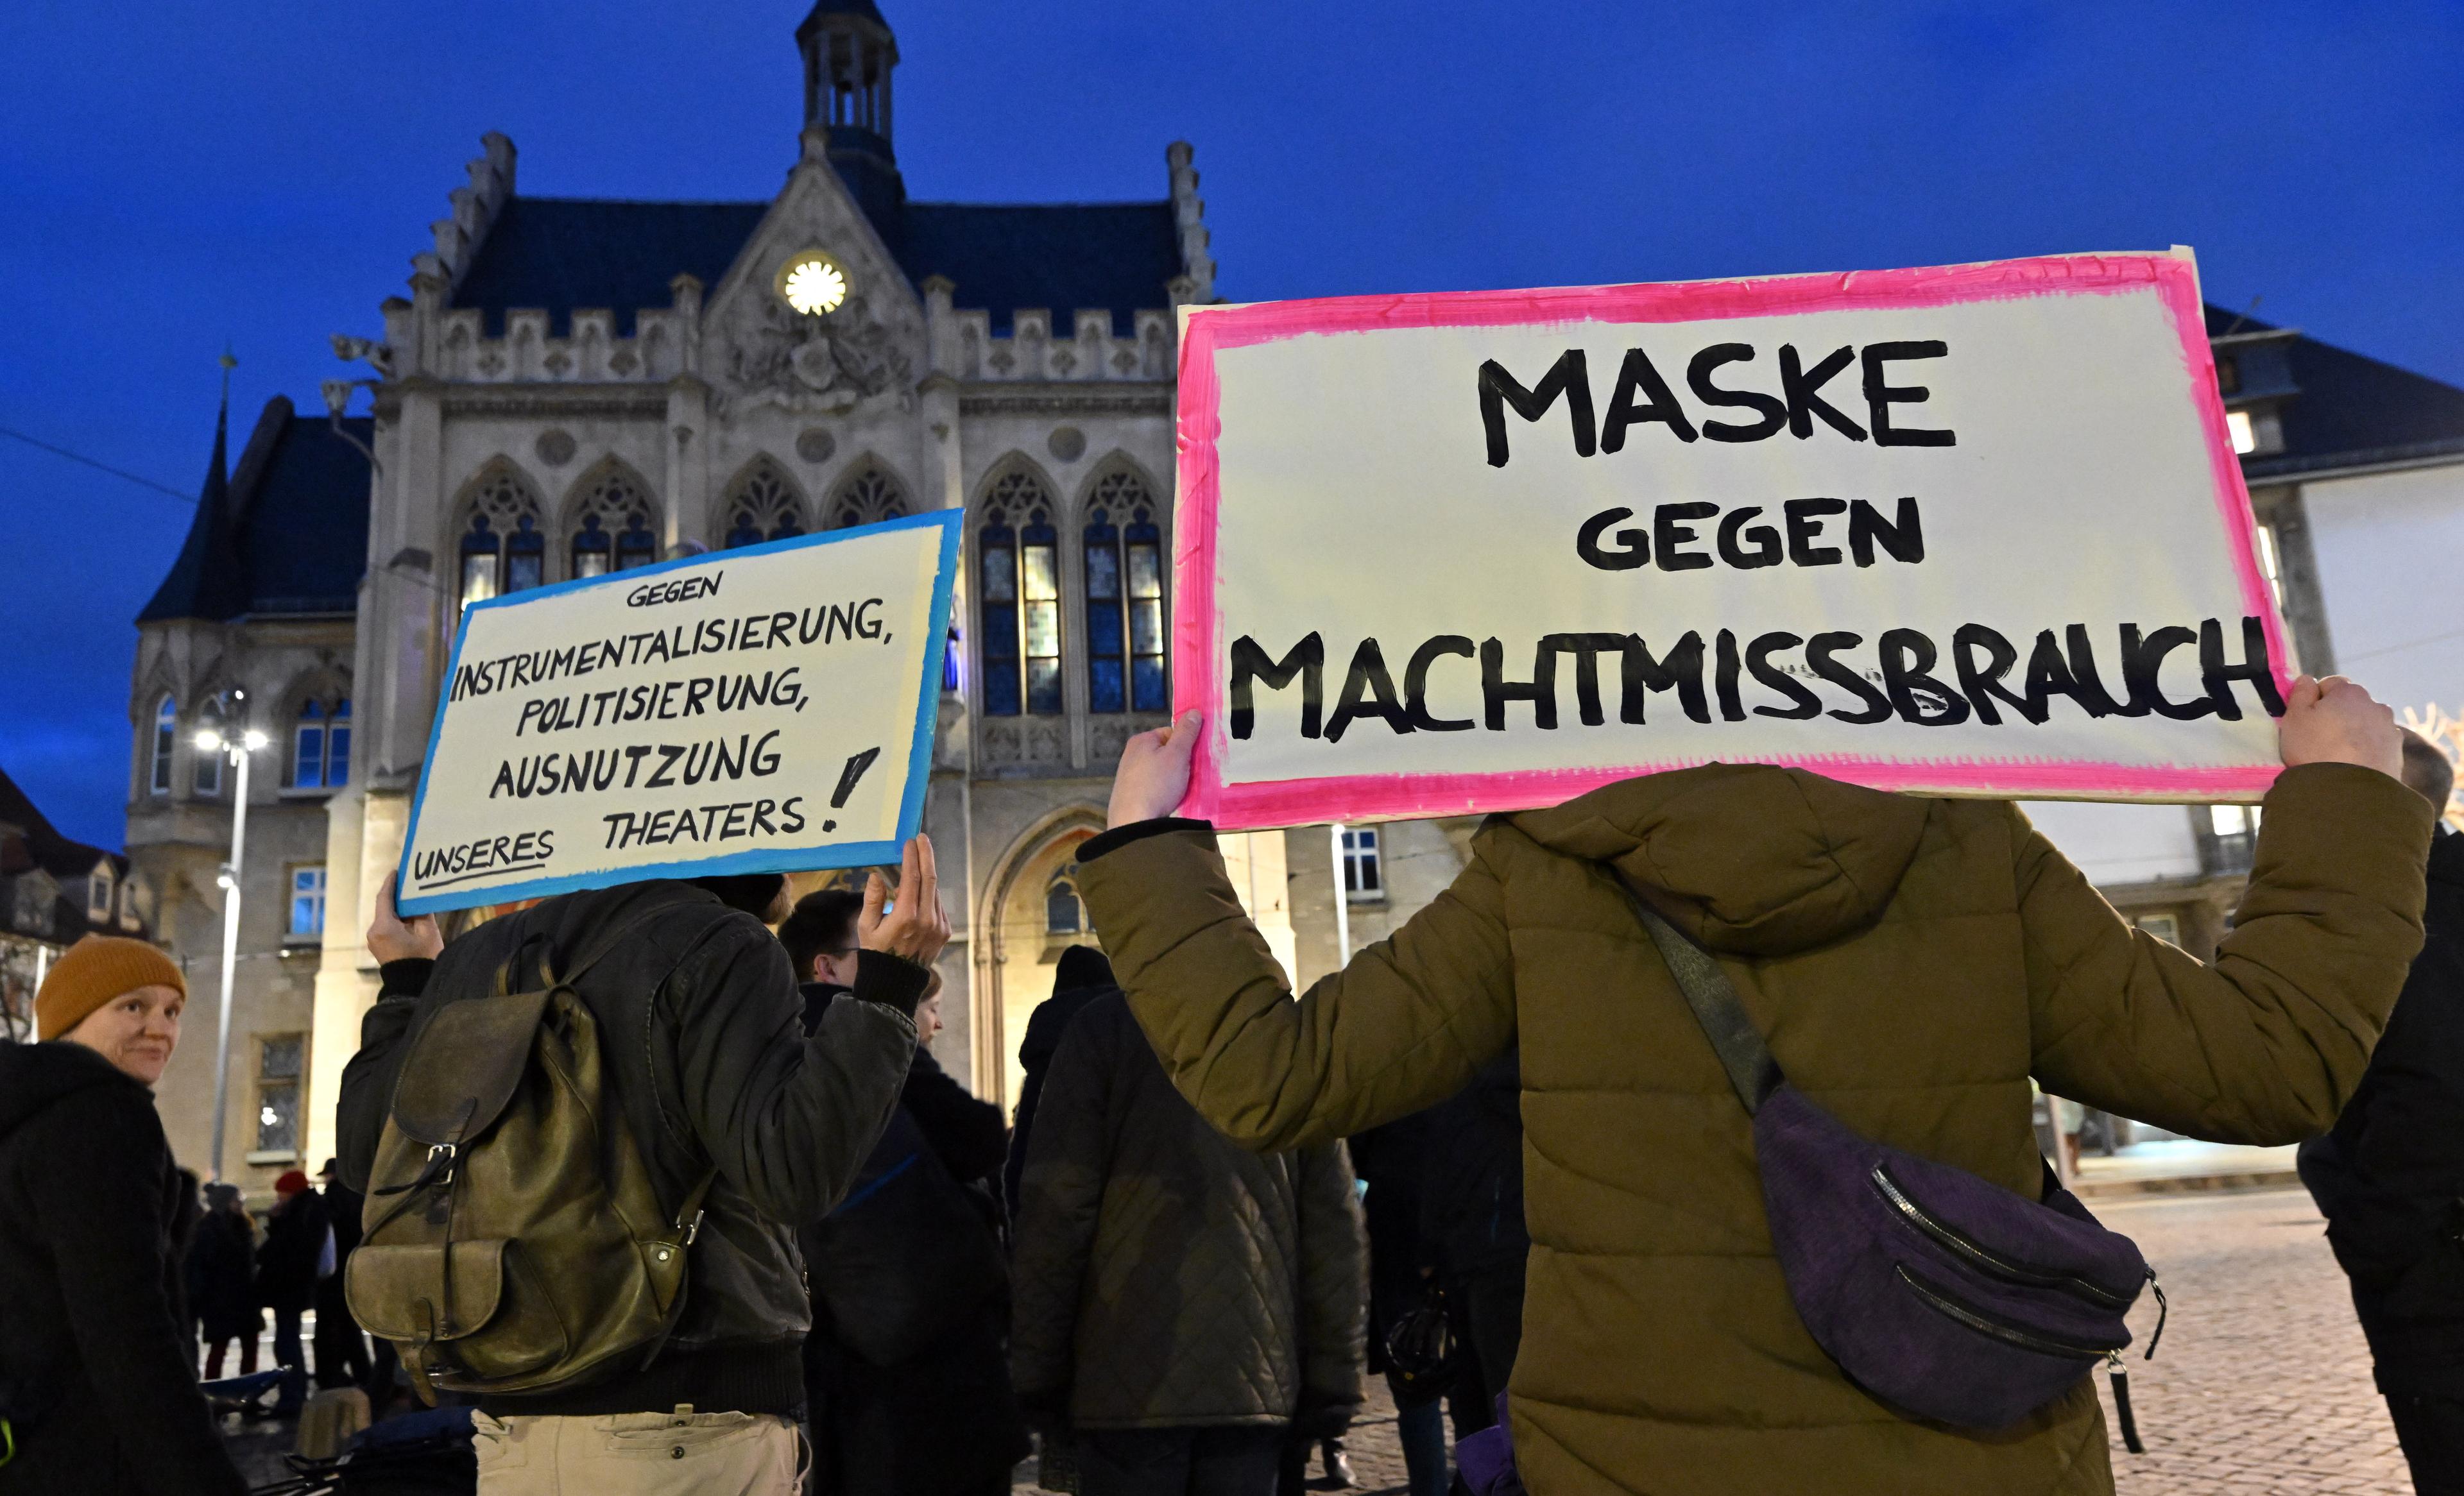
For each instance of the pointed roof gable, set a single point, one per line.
(206, 580)
(285, 532)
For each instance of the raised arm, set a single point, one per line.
(1402, 1026)
(2264, 1043)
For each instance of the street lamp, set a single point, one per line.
(237, 752)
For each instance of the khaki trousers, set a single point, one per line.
(639, 1454)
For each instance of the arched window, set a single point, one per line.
(321, 745)
(869, 495)
(1125, 633)
(612, 528)
(166, 738)
(207, 775)
(1064, 913)
(761, 505)
(1019, 556)
(501, 547)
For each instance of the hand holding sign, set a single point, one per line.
(394, 938)
(2336, 721)
(915, 927)
(1154, 775)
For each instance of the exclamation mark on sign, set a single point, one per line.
(854, 771)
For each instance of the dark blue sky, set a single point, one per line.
(176, 175)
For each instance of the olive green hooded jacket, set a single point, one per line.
(1913, 962)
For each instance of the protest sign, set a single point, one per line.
(1973, 530)
(768, 709)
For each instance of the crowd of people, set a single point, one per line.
(1491, 1158)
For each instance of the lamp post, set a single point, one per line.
(237, 752)
(1342, 901)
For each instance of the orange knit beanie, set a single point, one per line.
(92, 973)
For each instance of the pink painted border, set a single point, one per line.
(1196, 622)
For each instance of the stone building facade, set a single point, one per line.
(576, 386)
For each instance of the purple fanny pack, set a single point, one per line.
(1942, 1295)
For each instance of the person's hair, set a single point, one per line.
(749, 891)
(2430, 772)
(820, 923)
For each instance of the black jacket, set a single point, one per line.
(698, 1013)
(1167, 1277)
(294, 1247)
(2390, 1178)
(913, 1259)
(220, 1276)
(99, 1376)
(1471, 1202)
(1045, 1027)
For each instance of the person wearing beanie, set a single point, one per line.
(97, 1374)
(298, 1252)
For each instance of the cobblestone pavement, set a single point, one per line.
(2262, 1385)
(2263, 1382)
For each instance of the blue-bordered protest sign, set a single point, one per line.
(764, 709)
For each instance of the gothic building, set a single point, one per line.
(573, 386)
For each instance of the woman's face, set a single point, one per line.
(928, 1017)
(136, 1031)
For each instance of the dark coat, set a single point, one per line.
(222, 1276)
(1913, 963)
(1045, 1027)
(697, 1013)
(99, 1376)
(2390, 1178)
(925, 1409)
(1166, 1277)
(1472, 1197)
(294, 1247)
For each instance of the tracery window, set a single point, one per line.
(502, 550)
(1019, 562)
(1125, 633)
(166, 738)
(869, 495)
(613, 532)
(1064, 912)
(763, 504)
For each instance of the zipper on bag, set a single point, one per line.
(1991, 1329)
(1985, 1258)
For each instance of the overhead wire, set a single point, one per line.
(116, 472)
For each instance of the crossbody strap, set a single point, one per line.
(1714, 1001)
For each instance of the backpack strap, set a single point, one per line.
(1714, 1001)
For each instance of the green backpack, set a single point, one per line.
(515, 1243)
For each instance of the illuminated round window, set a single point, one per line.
(813, 283)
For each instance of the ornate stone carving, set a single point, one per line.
(1067, 443)
(868, 496)
(1024, 744)
(555, 446)
(820, 364)
(813, 444)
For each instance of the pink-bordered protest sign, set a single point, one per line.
(1972, 530)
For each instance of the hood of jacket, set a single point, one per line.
(1747, 858)
(1049, 1022)
(33, 1077)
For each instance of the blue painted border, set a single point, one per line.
(772, 859)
